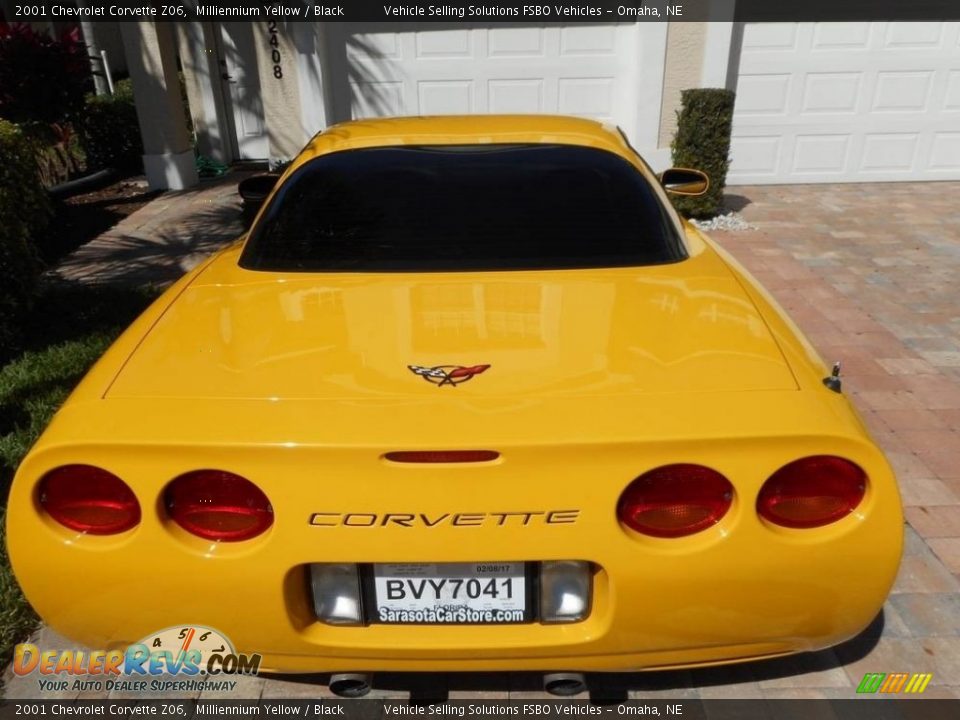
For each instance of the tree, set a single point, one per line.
(42, 79)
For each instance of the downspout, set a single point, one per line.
(93, 51)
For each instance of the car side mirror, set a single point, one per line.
(255, 189)
(684, 181)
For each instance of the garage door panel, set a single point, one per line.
(886, 152)
(522, 42)
(841, 36)
(376, 99)
(831, 92)
(515, 96)
(445, 97)
(842, 61)
(364, 46)
(588, 40)
(763, 94)
(821, 154)
(913, 35)
(770, 36)
(758, 155)
(589, 97)
(945, 152)
(902, 91)
(608, 71)
(444, 44)
(883, 99)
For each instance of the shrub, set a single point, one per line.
(703, 142)
(43, 82)
(42, 79)
(25, 209)
(109, 131)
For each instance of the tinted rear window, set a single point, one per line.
(478, 207)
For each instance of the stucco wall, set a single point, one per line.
(150, 49)
(281, 96)
(151, 56)
(685, 47)
(201, 73)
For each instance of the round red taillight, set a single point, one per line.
(89, 499)
(675, 500)
(218, 505)
(811, 492)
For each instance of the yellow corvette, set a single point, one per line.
(468, 396)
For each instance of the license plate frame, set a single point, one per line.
(371, 611)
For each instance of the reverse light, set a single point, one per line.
(675, 500)
(564, 591)
(336, 593)
(218, 505)
(89, 499)
(812, 492)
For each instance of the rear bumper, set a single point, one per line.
(738, 591)
(665, 615)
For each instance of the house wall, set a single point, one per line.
(301, 101)
(685, 55)
(201, 73)
(281, 96)
(151, 56)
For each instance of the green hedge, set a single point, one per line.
(702, 141)
(25, 211)
(109, 131)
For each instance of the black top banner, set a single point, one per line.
(508, 11)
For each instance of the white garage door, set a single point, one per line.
(611, 72)
(838, 102)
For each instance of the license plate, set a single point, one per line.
(481, 593)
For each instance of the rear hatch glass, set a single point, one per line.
(463, 208)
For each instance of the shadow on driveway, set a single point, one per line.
(605, 688)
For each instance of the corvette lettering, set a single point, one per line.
(427, 520)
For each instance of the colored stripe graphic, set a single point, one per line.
(871, 682)
(892, 683)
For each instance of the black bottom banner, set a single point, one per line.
(368, 709)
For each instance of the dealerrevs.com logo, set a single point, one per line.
(197, 657)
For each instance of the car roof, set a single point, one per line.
(466, 130)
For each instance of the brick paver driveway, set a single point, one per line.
(872, 274)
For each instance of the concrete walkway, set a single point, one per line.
(872, 274)
(161, 241)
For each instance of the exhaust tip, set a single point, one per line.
(565, 684)
(350, 685)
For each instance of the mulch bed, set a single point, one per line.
(79, 219)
